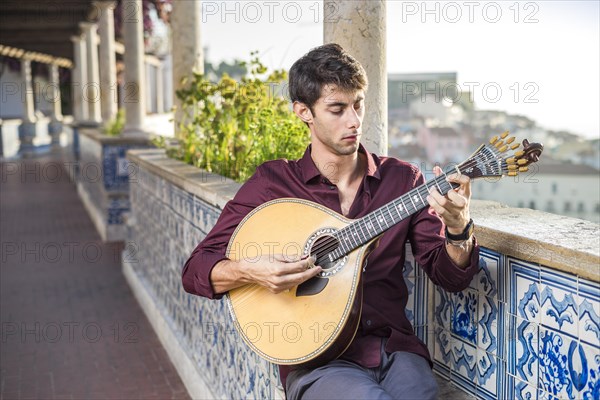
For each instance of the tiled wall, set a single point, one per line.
(168, 224)
(520, 331)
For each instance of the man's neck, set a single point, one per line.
(341, 170)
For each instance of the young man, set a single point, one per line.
(385, 360)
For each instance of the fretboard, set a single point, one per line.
(376, 222)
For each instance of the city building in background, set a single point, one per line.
(432, 122)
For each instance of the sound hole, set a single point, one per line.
(321, 249)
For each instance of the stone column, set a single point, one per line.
(27, 97)
(108, 63)
(135, 96)
(92, 86)
(359, 26)
(27, 128)
(79, 79)
(55, 126)
(187, 47)
(160, 88)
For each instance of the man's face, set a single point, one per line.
(337, 120)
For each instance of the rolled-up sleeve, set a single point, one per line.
(429, 249)
(197, 269)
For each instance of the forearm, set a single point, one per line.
(227, 275)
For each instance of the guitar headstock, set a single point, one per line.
(501, 156)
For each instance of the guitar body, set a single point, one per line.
(314, 322)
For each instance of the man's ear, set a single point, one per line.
(303, 112)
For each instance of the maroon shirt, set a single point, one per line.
(385, 292)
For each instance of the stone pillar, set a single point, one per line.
(79, 79)
(27, 128)
(28, 100)
(187, 47)
(359, 26)
(135, 93)
(160, 89)
(92, 92)
(55, 126)
(108, 63)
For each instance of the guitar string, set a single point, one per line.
(329, 245)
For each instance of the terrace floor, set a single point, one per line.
(71, 327)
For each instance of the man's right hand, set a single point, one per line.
(277, 273)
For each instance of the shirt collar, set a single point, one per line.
(310, 170)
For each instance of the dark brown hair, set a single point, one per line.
(323, 65)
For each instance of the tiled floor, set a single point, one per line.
(70, 326)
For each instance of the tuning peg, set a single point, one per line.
(503, 149)
(504, 134)
(515, 146)
(513, 167)
(522, 161)
(523, 169)
(511, 160)
(513, 173)
(499, 144)
(494, 140)
(510, 140)
(519, 154)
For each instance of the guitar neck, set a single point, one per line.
(376, 222)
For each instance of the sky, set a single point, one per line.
(540, 59)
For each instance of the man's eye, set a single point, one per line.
(336, 112)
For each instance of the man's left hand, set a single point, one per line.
(453, 208)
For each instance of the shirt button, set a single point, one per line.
(369, 322)
(331, 187)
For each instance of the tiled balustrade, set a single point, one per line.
(528, 326)
(102, 179)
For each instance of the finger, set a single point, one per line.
(297, 278)
(437, 171)
(303, 276)
(457, 201)
(463, 180)
(438, 197)
(290, 258)
(435, 205)
(299, 266)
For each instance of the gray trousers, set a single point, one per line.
(401, 375)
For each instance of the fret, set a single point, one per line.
(370, 227)
(399, 208)
(347, 238)
(393, 213)
(420, 197)
(355, 235)
(438, 185)
(388, 205)
(423, 200)
(379, 218)
(361, 229)
(415, 207)
(404, 204)
(448, 187)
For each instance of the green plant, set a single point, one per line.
(115, 126)
(230, 127)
